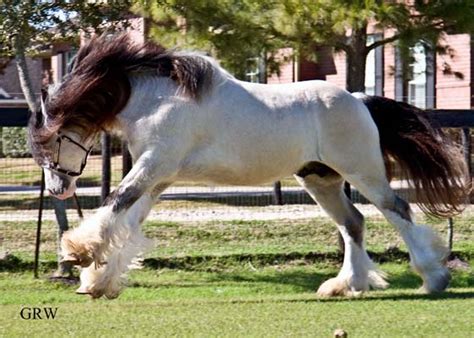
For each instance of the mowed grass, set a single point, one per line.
(240, 278)
(240, 237)
(272, 301)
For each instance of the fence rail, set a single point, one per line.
(13, 113)
(451, 118)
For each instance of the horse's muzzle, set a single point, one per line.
(59, 185)
(61, 193)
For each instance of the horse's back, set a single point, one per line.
(259, 133)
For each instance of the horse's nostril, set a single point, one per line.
(56, 191)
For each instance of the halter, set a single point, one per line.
(55, 165)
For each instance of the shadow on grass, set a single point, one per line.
(212, 263)
(307, 281)
(293, 270)
(402, 296)
(450, 294)
(12, 263)
(32, 203)
(405, 285)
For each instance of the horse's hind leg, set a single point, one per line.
(358, 272)
(427, 251)
(366, 172)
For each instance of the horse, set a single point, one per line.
(186, 118)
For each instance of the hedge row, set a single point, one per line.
(14, 142)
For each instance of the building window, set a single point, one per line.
(416, 77)
(255, 70)
(67, 59)
(414, 83)
(374, 68)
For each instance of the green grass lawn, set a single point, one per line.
(237, 278)
(277, 300)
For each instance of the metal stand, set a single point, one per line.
(450, 234)
(38, 226)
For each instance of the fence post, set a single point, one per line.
(106, 166)
(64, 268)
(277, 195)
(467, 149)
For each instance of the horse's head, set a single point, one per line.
(75, 111)
(61, 151)
(93, 94)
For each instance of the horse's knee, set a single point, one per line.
(123, 198)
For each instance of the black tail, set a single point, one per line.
(431, 163)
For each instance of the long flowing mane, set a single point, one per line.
(98, 86)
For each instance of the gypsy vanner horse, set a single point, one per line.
(185, 118)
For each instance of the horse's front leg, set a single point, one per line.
(108, 278)
(106, 242)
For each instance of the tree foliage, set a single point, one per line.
(235, 30)
(26, 27)
(39, 23)
(232, 30)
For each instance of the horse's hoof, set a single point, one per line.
(438, 282)
(332, 287)
(336, 287)
(96, 294)
(78, 260)
(82, 290)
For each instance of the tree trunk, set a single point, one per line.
(106, 166)
(355, 78)
(64, 269)
(356, 58)
(356, 53)
(23, 73)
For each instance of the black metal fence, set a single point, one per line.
(20, 176)
(20, 180)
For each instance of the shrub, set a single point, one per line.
(14, 142)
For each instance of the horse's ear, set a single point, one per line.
(44, 94)
(44, 114)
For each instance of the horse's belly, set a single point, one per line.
(240, 170)
(229, 176)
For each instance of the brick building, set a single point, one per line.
(52, 64)
(49, 67)
(433, 80)
(436, 81)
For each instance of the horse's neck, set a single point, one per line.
(146, 94)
